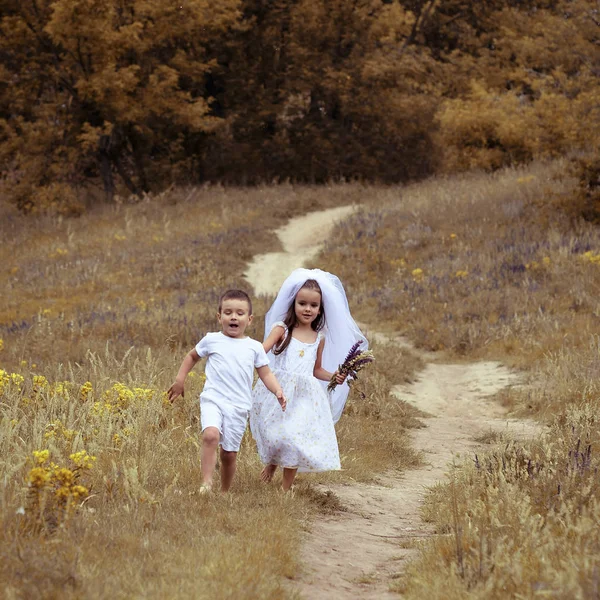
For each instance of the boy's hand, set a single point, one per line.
(175, 391)
(281, 399)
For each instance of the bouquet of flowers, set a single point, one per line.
(354, 362)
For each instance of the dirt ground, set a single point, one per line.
(356, 554)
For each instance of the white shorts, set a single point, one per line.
(229, 420)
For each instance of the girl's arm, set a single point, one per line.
(273, 338)
(268, 378)
(320, 373)
(176, 390)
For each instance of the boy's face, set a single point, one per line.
(234, 317)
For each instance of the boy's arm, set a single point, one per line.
(176, 390)
(274, 337)
(268, 378)
(320, 373)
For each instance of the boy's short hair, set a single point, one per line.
(235, 295)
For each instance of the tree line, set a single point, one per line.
(142, 94)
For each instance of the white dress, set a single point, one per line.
(303, 436)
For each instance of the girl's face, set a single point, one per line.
(307, 306)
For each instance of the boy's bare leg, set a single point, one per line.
(267, 473)
(288, 478)
(228, 465)
(210, 442)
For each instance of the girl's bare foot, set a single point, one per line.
(267, 473)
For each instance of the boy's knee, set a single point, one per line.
(211, 436)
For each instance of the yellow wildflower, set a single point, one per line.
(143, 393)
(417, 273)
(78, 491)
(41, 456)
(1, 344)
(58, 252)
(4, 380)
(17, 379)
(453, 236)
(590, 256)
(38, 477)
(61, 388)
(461, 274)
(63, 492)
(120, 237)
(120, 394)
(83, 460)
(86, 390)
(525, 179)
(64, 476)
(68, 434)
(546, 261)
(40, 382)
(398, 263)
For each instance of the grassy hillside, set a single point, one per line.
(100, 472)
(98, 311)
(486, 267)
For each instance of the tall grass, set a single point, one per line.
(521, 520)
(488, 266)
(97, 315)
(479, 265)
(98, 311)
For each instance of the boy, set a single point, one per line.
(227, 395)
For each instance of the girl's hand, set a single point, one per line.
(281, 399)
(339, 378)
(175, 391)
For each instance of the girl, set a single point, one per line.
(308, 332)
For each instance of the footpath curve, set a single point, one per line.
(356, 554)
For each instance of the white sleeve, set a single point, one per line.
(260, 358)
(202, 347)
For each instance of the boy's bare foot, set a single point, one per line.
(267, 473)
(205, 488)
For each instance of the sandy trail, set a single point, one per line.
(301, 239)
(358, 553)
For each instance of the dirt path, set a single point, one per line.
(357, 553)
(300, 239)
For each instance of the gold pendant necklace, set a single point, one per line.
(301, 353)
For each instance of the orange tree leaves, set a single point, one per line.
(144, 93)
(97, 88)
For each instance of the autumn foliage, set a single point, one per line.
(131, 96)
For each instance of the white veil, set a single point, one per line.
(341, 331)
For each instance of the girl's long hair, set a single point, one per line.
(291, 320)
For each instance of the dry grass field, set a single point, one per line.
(100, 473)
(486, 267)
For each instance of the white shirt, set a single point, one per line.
(230, 368)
